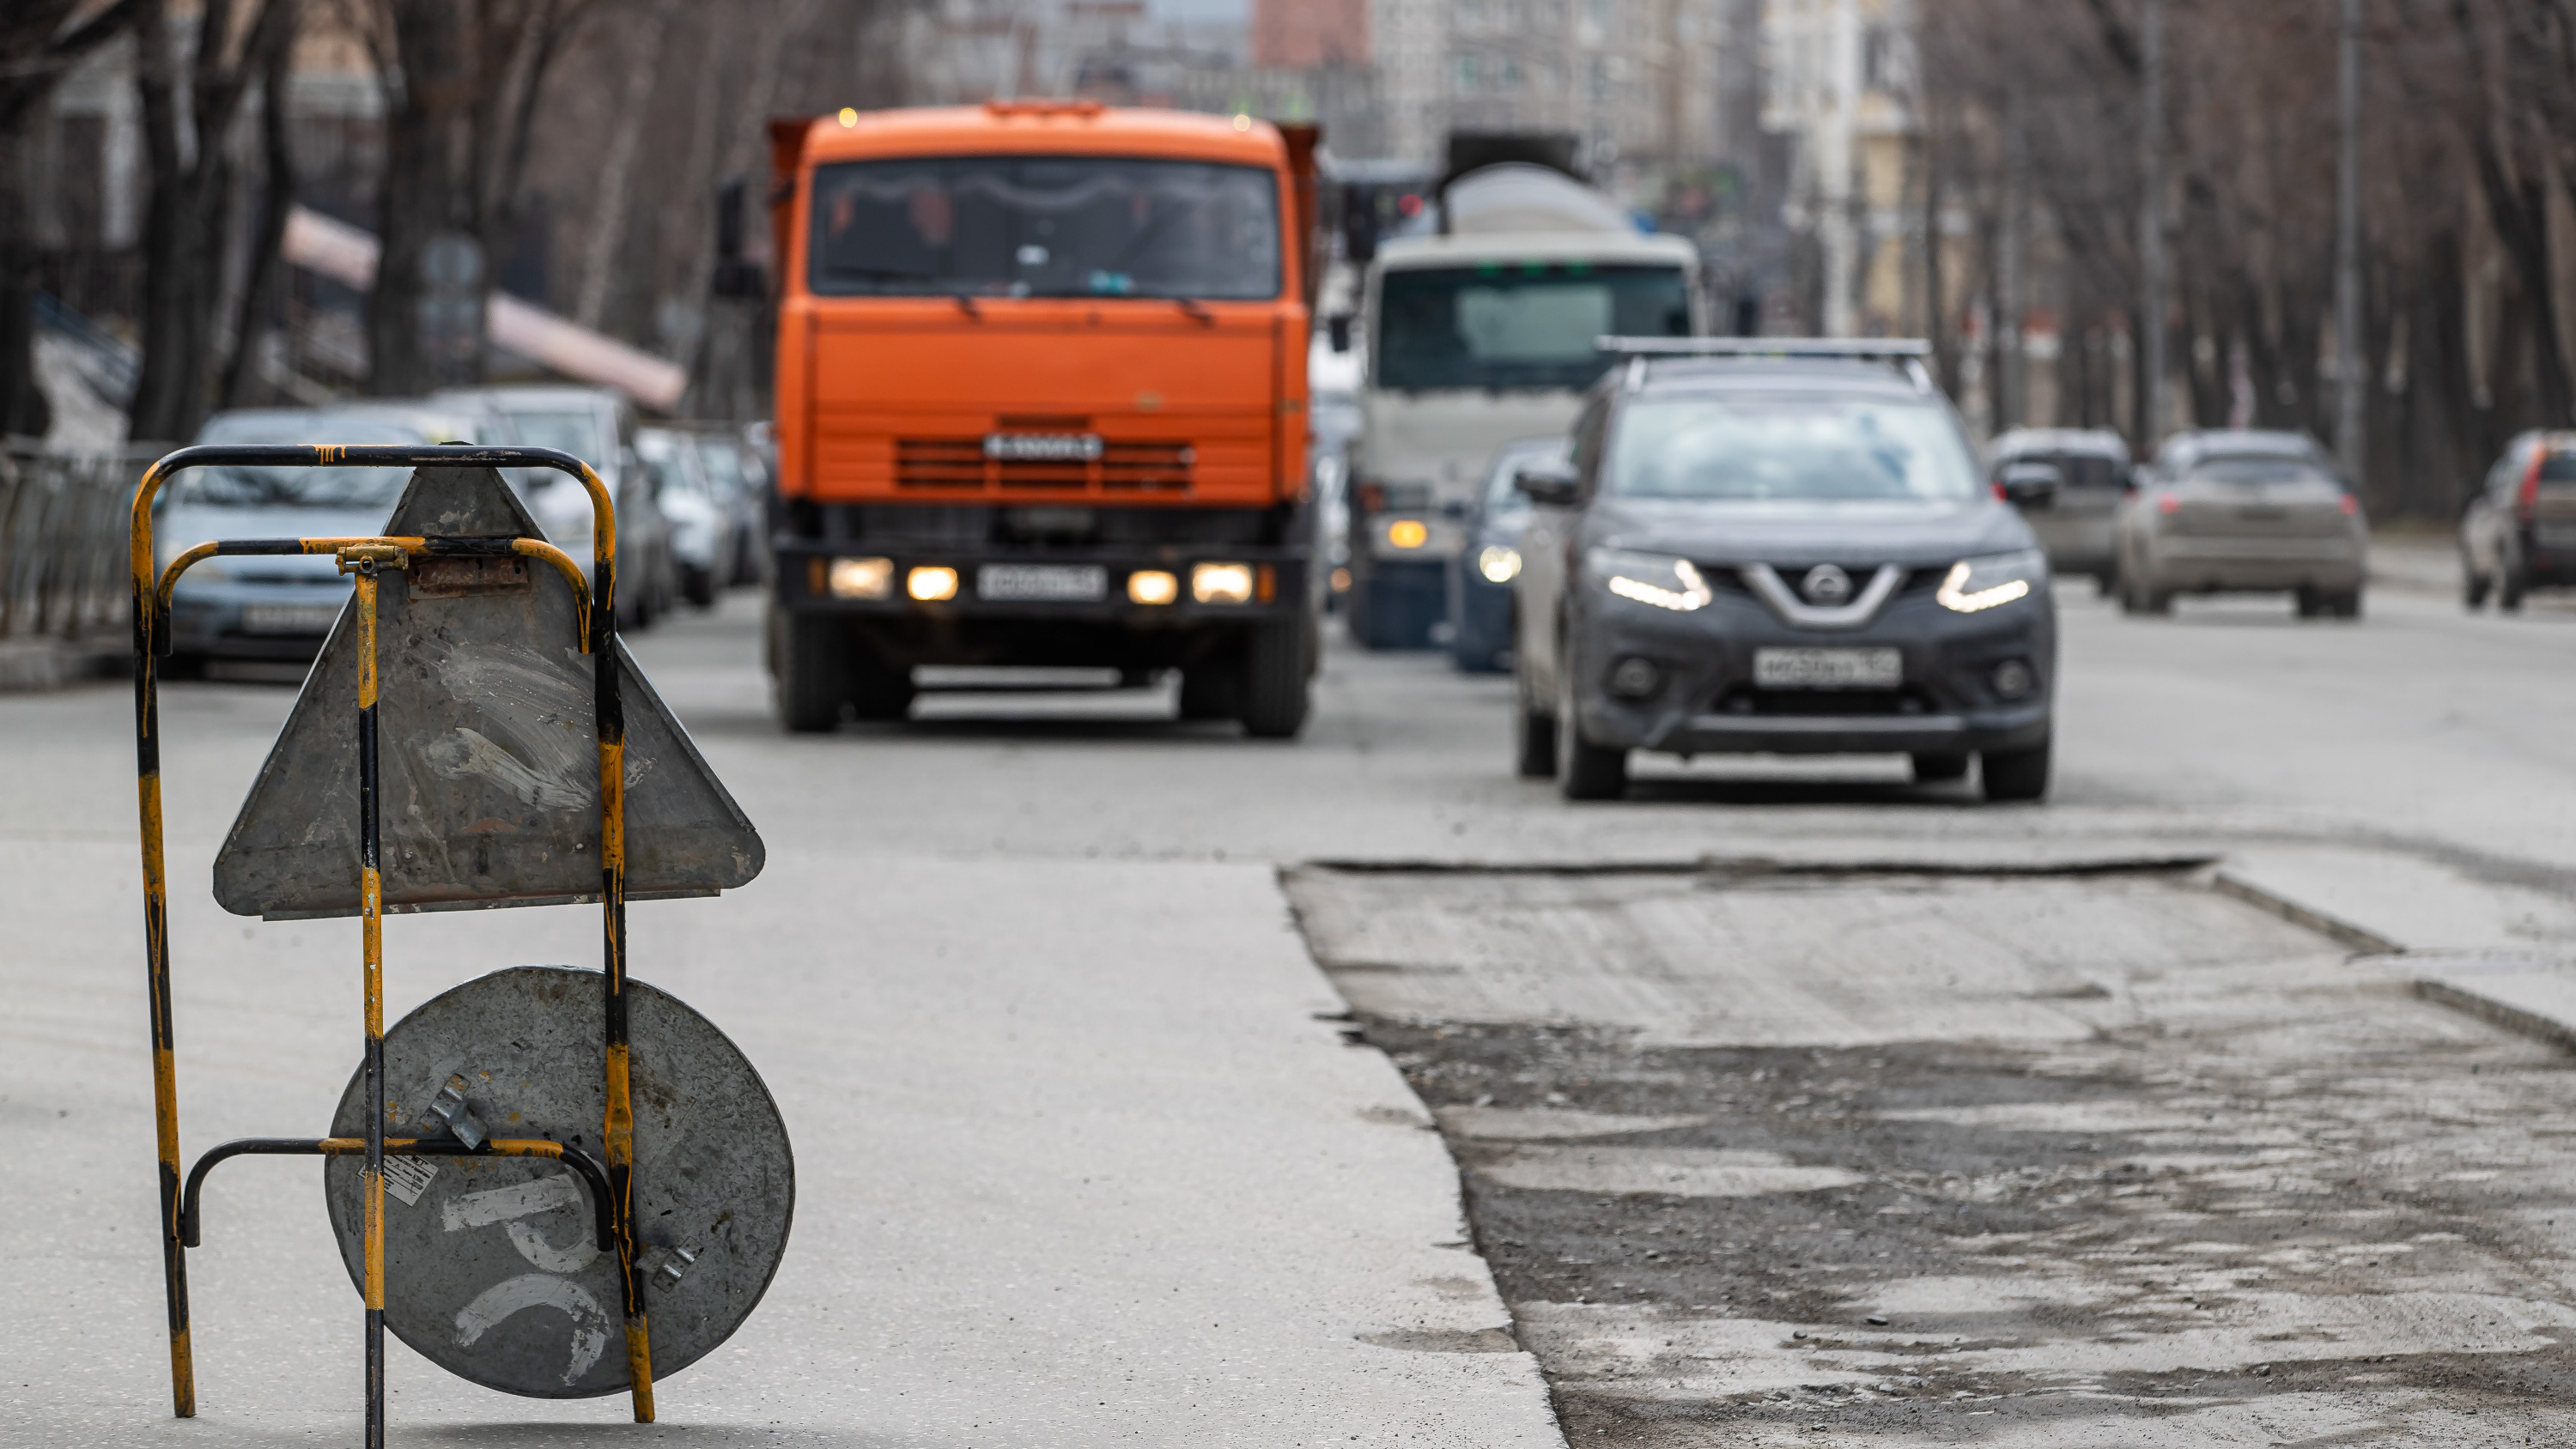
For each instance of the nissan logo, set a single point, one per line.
(1825, 584)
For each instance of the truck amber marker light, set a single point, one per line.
(1408, 533)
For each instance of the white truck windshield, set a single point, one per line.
(1504, 325)
(1045, 226)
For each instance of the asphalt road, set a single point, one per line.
(2116, 1158)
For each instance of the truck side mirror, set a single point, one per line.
(2031, 485)
(1556, 485)
(1337, 330)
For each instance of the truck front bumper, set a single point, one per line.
(1106, 626)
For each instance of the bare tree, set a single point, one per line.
(189, 106)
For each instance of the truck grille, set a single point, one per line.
(1125, 466)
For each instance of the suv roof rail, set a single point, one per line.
(1907, 353)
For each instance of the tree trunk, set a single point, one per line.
(259, 287)
(617, 170)
(423, 192)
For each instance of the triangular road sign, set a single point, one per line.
(489, 765)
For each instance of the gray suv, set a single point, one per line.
(1779, 547)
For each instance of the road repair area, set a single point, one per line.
(1151, 1085)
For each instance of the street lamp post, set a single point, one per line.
(2151, 232)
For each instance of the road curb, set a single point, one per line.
(2519, 1019)
(2333, 928)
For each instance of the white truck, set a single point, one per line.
(1476, 335)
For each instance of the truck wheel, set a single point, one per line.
(1272, 680)
(2017, 774)
(809, 671)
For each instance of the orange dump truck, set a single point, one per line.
(1041, 390)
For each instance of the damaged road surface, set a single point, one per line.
(1888, 1159)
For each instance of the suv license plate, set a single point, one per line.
(1828, 668)
(289, 618)
(1043, 583)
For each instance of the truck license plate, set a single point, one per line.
(1828, 668)
(289, 618)
(1043, 583)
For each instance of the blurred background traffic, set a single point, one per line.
(545, 221)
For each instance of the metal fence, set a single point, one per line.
(63, 541)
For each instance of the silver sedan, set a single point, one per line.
(2245, 523)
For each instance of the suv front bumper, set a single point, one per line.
(1705, 699)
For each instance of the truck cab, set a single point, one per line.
(1477, 336)
(1041, 390)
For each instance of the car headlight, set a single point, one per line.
(1499, 565)
(1978, 584)
(1649, 578)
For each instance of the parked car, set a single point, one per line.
(741, 485)
(1481, 574)
(598, 426)
(702, 544)
(1797, 554)
(2076, 523)
(2244, 512)
(276, 609)
(2519, 532)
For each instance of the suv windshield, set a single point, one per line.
(1821, 449)
(1045, 226)
(294, 487)
(577, 433)
(1523, 325)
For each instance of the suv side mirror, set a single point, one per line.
(1556, 485)
(2031, 485)
(1337, 330)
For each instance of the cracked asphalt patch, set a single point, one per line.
(2266, 1199)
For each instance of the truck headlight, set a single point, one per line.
(862, 578)
(931, 585)
(1978, 584)
(1221, 583)
(1499, 565)
(1152, 586)
(1648, 578)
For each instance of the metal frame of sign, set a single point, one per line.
(366, 559)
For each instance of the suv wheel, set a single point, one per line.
(1533, 734)
(2016, 774)
(1584, 770)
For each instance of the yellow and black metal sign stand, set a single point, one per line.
(611, 1182)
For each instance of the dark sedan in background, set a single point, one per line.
(1481, 574)
(1794, 551)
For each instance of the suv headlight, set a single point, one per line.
(1649, 578)
(1979, 584)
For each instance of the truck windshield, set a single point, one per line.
(1823, 450)
(1518, 325)
(1045, 226)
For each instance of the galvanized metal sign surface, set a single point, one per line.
(491, 1268)
(489, 760)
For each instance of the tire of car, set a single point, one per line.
(2511, 587)
(699, 585)
(1584, 770)
(809, 671)
(2473, 585)
(1272, 698)
(2345, 605)
(2308, 602)
(2015, 774)
(1936, 769)
(1533, 735)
